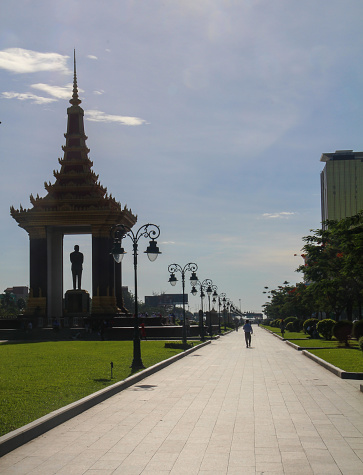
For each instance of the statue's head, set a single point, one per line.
(76, 247)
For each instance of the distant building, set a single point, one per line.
(20, 292)
(341, 184)
(166, 299)
(252, 315)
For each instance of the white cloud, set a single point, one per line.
(27, 96)
(98, 116)
(281, 215)
(91, 56)
(19, 60)
(56, 91)
(99, 93)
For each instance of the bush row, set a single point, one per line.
(327, 328)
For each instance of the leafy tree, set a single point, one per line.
(289, 301)
(8, 306)
(334, 265)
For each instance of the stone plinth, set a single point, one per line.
(77, 303)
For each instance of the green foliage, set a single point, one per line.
(358, 329)
(360, 343)
(310, 322)
(342, 331)
(288, 300)
(289, 319)
(291, 327)
(333, 269)
(333, 265)
(8, 305)
(178, 345)
(325, 328)
(292, 324)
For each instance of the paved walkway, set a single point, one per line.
(223, 409)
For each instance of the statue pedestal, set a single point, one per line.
(77, 303)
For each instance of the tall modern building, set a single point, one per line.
(341, 184)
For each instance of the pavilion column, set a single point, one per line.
(37, 302)
(118, 287)
(55, 274)
(103, 291)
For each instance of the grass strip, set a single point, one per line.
(38, 378)
(287, 335)
(347, 359)
(317, 342)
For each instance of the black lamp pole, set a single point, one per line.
(219, 314)
(228, 304)
(172, 269)
(202, 295)
(118, 232)
(212, 292)
(222, 298)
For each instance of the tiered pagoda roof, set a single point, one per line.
(76, 190)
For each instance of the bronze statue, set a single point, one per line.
(77, 261)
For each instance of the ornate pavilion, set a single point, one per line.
(75, 204)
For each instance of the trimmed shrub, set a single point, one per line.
(325, 328)
(275, 323)
(358, 329)
(342, 331)
(310, 322)
(177, 345)
(360, 343)
(289, 319)
(292, 324)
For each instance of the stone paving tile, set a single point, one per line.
(222, 410)
(162, 461)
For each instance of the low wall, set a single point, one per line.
(114, 333)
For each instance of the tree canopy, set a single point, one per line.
(333, 273)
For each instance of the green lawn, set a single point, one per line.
(350, 360)
(347, 359)
(314, 343)
(37, 378)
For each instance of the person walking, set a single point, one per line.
(143, 331)
(282, 328)
(247, 328)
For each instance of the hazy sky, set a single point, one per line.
(206, 117)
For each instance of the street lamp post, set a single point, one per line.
(229, 308)
(222, 298)
(118, 232)
(172, 269)
(201, 312)
(219, 314)
(203, 287)
(209, 290)
(214, 300)
(214, 295)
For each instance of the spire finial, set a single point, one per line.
(75, 101)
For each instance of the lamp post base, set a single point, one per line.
(136, 365)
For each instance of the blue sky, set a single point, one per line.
(205, 117)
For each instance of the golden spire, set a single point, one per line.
(75, 101)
